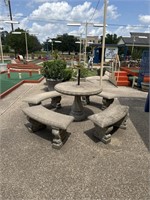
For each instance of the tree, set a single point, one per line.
(67, 44)
(111, 39)
(17, 42)
(4, 41)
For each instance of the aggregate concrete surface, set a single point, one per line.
(84, 168)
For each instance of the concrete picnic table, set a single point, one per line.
(73, 89)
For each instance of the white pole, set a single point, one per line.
(1, 48)
(80, 48)
(132, 46)
(26, 45)
(103, 42)
(86, 24)
(52, 47)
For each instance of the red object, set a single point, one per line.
(122, 78)
(134, 71)
(146, 79)
(8, 74)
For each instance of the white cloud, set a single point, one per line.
(96, 32)
(59, 11)
(63, 11)
(125, 30)
(112, 12)
(83, 12)
(144, 19)
(18, 15)
(50, 17)
(24, 23)
(55, 11)
(47, 30)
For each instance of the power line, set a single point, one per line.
(7, 3)
(124, 25)
(95, 10)
(66, 21)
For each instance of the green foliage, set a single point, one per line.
(67, 44)
(83, 71)
(55, 54)
(56, 70)
(111, 39)
(17, 42)
(92, 72)
(6, 49)
(137, 54)
(67, 74)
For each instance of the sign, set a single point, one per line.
(110, 52)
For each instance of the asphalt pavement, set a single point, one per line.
(84, 168)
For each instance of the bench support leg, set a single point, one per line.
(103, 134)
(106, 103)
(60, 137)
(86, 100)
(56, 102)
(123, 122)
(34, 125)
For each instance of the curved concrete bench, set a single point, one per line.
(108, 98)
(113, 116)
(38, 98)
(40, 117)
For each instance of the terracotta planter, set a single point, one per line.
(51, 83)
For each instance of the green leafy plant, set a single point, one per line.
(83, 71)
(56, 70)
(67, 74)
(55, 54)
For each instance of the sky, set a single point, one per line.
(49, 18)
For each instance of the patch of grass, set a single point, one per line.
(92, 72)
(6, 83)
(6, 61)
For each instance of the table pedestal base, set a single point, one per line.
(77, 110)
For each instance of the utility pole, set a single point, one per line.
(1, 46)
(103, 41)
(85, 59)
(7, 2)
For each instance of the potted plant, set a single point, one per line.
(83, 72)
(55, 71)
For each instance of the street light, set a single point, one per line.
(80, 42)
(11, 22)
(51, 41)
(86, 27)
(26, 42)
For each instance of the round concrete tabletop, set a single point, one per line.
(73, 89)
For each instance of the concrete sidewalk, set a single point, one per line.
(84, 168)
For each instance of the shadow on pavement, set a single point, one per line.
(138, 116)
